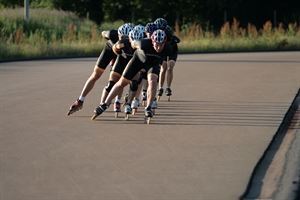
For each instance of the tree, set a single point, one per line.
(83, 8)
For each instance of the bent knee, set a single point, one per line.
(152, 78)
(123, 82)
(97, 73)
(172, 63)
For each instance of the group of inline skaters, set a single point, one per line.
(141, 56)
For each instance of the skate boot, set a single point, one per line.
(148, 115)
(127, 111)
(160, 93)
(144, 97)
(134, 105)
(77, 105)
(125, 99)
(99, 110)
(154, 106)
(168, 93)
(117, 108)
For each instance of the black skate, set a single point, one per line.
(77, 105)
(159, 93)
(99, 110)
(117, 108)
(127, 111)
(125, 99)
(144, 97)
(148, 115)
(168, 93)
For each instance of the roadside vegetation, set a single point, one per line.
(53, 33)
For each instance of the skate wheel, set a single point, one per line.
(69, 112)
(94, 117)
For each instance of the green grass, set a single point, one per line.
(218, 44)
(49, 33)
(53, 33)
(232, 37)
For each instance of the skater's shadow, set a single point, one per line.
(189, 112)
(201, 113)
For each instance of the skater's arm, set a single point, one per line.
(136, 44)
(117, 48)
(105, 34)
(176, 39)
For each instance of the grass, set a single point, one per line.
(53, 33)
(233, 37)
(49, 33)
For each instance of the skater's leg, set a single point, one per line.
(88, 86)
(152, 87)
(113, 78)
(140, 86)
(118, 87)
(119, 96)
(162, 74)
(170, 69)
(133, 88)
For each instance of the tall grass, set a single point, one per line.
(233, 37)
(51, 33)
(48, 33)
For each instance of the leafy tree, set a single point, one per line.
(83, 8)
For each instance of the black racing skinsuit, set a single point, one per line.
(107, 53)
(123, 57)
(145, 57)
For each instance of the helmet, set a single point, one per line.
(158, 36)
(140, 28)
(161, 23)
(136, 34)
(124, 30)
(150, 27)
(169, 29)
(130, 24)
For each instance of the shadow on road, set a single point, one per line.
(200, 113)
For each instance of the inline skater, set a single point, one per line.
(131, 103)
(148, 55)
(168, 64)
(119, 64)
(106, 57)
(149, 29)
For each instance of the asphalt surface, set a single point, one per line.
(203, 145)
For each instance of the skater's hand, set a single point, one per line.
(119, 45)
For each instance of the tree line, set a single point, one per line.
(210, 13)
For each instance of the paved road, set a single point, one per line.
(203, 145)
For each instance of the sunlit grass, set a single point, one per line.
(49, 33)
(53, 33)
(233, 37)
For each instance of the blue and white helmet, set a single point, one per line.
(130, 24)
(161, 23)
(159, 36)
(136, 34)
(124, 30)
(140, 28)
